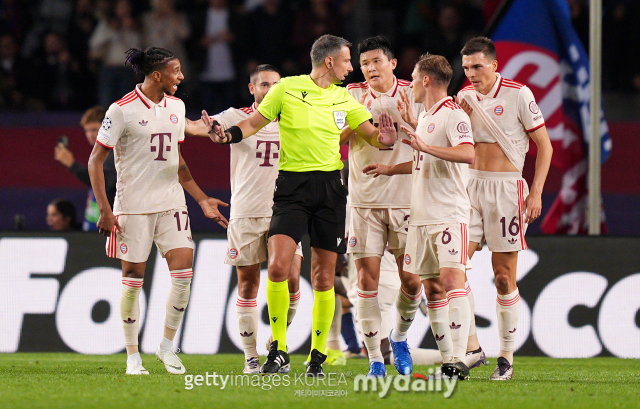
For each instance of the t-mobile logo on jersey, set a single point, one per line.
(267, 152)
(161, 147)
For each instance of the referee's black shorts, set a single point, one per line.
(313, 202)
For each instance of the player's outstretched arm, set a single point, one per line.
(533, 202)
(378, 169)
(196, 128)
(464, 153)
(96, 173)
(382, 137)
(237, 133)
(208, 204)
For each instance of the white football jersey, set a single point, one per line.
(383, 191)
(145, 136)
(439, 187)
(254, 166)
(513, 107)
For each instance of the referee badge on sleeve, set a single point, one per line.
(340, 117)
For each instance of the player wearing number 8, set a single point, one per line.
(145, 128)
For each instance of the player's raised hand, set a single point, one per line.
(377, 169)
(387, 135)
(216, 133)
(405, 108)
(533, 207)
(210, 209)
(464, 105)
(106, 222)
(364, 98)
(415, 141)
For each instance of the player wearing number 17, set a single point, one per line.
(436, 248)
(145, 128)
(309, 193)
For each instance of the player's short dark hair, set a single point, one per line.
(436, 67)
(376, 43)
(326, 46)
(93, 114)
(148, 60)
(480, 45)
(262, 68)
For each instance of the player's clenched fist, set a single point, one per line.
(210, 209)
(106, 222)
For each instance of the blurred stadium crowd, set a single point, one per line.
(68, 54)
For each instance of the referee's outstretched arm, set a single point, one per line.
(382, 137)
(234, 134)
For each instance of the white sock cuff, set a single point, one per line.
(434, 305)
(411, 298)
(457, 293)
(294, 296)
(133, 282)
(467, 288)
(184, 273)
(508, 299)
(367, 294)
(246, 302)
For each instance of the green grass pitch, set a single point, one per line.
(57, 380)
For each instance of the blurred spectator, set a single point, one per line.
(14, 76)
(321, 17)
(61, 215)
(50, 16)
(14, 18)
(419, 21)
(116, 33)
(82, 25)
(448, 39)
(61, 78)
(166, 28)
(407, 62)
(218, 76)
(580, 19)
(91, 122)
(269, 36)
(471, 19)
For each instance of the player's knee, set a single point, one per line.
(131, 273)
(411, 283)
(367, 283)
(294, 283)
(248, 289)
(503, 279)
(449, 283)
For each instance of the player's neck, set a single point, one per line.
(322, 77)
(488, 88)
(433, 96)
(386, 87)
(155, 94)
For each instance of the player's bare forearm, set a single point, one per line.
(463, 153)
(187, 182)
(404, 168)
(543, 160)
(196, 128)
(96, 174)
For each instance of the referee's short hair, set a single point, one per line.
(326, 46)
(436, 67)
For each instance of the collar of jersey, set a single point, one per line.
(493, 92)
(146, 101)
(438, 105)
(394, 89)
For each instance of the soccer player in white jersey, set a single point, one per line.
(437, 243)
(146, 127)
(380, 207)
(501, 205)
(254, 169)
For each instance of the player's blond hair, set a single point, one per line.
(436, 67)
(93, 114)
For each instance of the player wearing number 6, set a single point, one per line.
(504, 115)
(436, 248)
(145, 128)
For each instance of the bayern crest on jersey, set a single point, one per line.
(498, 110)
(431, 127)
(353, 241)
(233, 253)
(174, 118)
(340, 118)
(407, 259)
(124, 248)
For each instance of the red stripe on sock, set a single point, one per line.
(361, 295)
(456, 294)
(437, 304)
(508, 303)
(411, 297)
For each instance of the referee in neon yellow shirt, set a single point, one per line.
(309, 196)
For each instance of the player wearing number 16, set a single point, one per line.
(145, 128)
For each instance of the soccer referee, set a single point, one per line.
(309, 196)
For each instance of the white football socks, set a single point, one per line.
(459, 317)
(178, 297)
(508, 311)
(247, 313)
(370, 320)
(406, 307)
(130, 309)
(333, 341)
(294, 300)
(439, 318)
